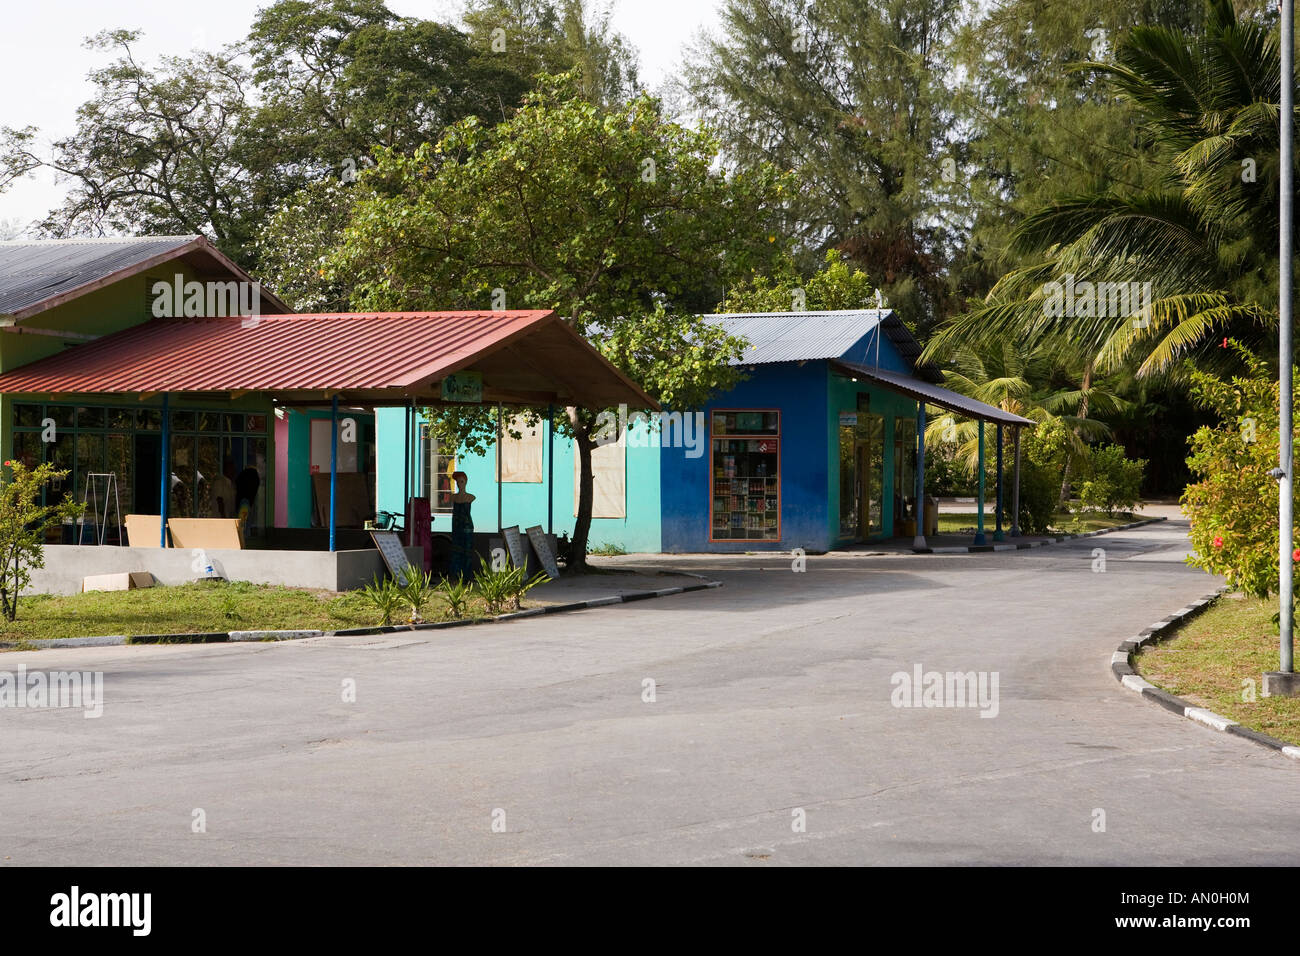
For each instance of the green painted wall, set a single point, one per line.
(844, 397)
(116, 307)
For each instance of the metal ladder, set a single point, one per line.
(110, 495)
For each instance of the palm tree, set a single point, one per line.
(1205, 237)
(1044, 384)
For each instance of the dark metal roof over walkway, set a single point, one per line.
(932, 394)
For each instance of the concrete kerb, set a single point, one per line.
(1026, 545)
(1121, 666)
(224, 637)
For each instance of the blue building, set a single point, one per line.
(816, 448)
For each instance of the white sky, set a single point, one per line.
(43, 64)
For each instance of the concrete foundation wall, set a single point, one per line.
(67, 565)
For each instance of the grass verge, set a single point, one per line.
(1064, 522)
(191, 609)
(1211, 659)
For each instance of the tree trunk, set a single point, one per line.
(582, 524)
(1083, 413)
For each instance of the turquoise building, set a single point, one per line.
(815, 448)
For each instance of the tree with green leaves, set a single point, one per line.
(837, 285)
(1031, 126)
(613, 216)
(1204, 235)
(215, 142)
(338, 79)
(156, 149)
(558, 36)
(23, 520)
(851, 96)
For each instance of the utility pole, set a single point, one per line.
(1284, 682)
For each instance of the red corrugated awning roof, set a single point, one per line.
(525, 357)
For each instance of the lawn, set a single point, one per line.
(192, 608)
(1209, 660)
(1064, 521)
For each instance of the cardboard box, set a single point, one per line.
(126, 581)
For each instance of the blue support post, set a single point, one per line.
(165, 490)
(919, 540)
(979, 499)
(997, 531)
(334, 467)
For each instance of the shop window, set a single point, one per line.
(436, 470)
(904, 468)
(64, 415)
(28, 416)
(745, 462)
(90, 416)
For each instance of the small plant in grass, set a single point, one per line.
(608, 550)
(457, 594)
(418, 591)
(230, 608)
(503, 590)
(386, 597)
(22, 527)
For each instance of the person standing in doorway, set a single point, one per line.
(246, 484)
(462, 528)
(223, 502)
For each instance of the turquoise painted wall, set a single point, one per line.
(525, 503)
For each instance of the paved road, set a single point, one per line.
(772, 695)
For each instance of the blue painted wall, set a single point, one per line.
(798, 391)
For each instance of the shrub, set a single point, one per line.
(384, 596)
(22, 527)
(1233, 507)
(457, 594)
(502, 590)
(418, 591)
(1043, 454)
(1112, 481)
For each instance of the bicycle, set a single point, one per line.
(389, 521)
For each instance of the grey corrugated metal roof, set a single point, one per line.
(804, 336)
(33, 270)
(931, 393)
(797, 336)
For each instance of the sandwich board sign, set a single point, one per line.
(390, 549)
(515, 544)
(542, 547)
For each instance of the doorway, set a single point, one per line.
(147, 473)
(862, 475)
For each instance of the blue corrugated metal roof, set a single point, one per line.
(33, 270)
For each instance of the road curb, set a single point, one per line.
(231, 637)
(1121, 666)
(1026, 545)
